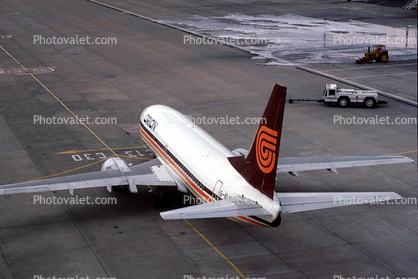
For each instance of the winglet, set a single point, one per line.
(259, 166)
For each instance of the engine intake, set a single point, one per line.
(115, 164)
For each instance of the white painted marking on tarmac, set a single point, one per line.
(371, 67)
(405, 73)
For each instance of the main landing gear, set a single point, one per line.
(160, 199)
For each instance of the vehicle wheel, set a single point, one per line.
(122, 188)
(370, 103)
(383, 57)
(166, 200)
(343, 102)
(369, 60)
(157, 201)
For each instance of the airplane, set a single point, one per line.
(238, 184)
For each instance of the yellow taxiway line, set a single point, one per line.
(53, 95)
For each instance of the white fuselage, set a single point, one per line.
(198, 162)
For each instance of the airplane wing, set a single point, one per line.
(293, 165)
(232, 207)
(297, 202)
(148, 173)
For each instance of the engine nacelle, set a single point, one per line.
(115, 164)
(276, 222)
(181, 187)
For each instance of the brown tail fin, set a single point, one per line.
(259, 166)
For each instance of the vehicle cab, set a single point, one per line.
(330, 92)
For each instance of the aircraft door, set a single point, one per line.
(217, 189)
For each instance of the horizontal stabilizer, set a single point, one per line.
(297, 202)
(232, 207)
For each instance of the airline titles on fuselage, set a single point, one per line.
(151, 122)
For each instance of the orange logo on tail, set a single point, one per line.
(266, 148)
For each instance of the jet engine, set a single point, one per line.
(115, 164)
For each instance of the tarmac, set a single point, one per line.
(150, 64)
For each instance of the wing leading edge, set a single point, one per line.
(294, 164)
(332, 163)
(148, 173)
(297, 202)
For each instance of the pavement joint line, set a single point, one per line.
(167, 25)
(287, 63)
(406, 152)
(50, 92)
(98, 149)
(67, 171)
(386, 75)
(371, 67)
(208, 37)
(363, 87)
(216, 249)
(135, 158)
(108, 148)
(34, 68)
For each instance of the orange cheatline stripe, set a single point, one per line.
(202, 193)
(151, 142)
(196, 190)
(195, 187)
(248, 219)
(49, 91)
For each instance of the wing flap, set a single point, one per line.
(297, 202)
(232, 207)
